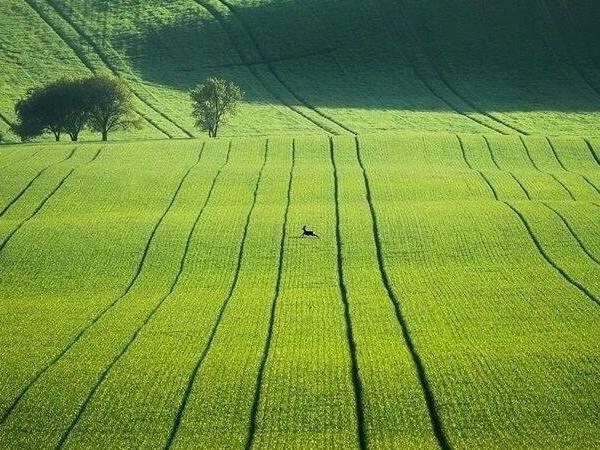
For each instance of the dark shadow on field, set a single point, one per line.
(503, 55)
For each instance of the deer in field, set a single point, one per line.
(308, 233)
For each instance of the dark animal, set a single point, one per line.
(309, 233)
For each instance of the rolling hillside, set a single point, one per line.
(157, 295)
(508, 67)
(156, 292)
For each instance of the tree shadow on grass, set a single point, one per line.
(382, 54)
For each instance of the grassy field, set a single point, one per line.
(157, 295)
(315, 66)
(155, 291)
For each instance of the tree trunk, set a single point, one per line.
(105, 135)
(57, 137)
(74, 137)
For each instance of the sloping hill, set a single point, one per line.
(453, 300)
(516, 66)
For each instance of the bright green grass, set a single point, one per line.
(158, 293)
(321, 65)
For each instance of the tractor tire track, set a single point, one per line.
(28, 185)
(575, 25)
(564, 42)
(559, 60)
(38, 208)
(512, 175)
(592, 185)
(106, 309)
(254, 41)
(4, 119)
(527, 151)
(65, 436)
(429, 57)
(592, 151)
(198, 366)
(549, 260)
(98, 50)
(251, 66)
(253, 419)
(470, 166)
(357, 383)
(95, 157)
(489, 148)
(82, 57)
(396, 35)
(432, 408)
(573, 233)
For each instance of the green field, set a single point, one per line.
(155, 291)
(158, 295)
(314, 66)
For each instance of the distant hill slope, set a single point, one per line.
(506, 66)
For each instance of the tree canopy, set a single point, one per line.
(100, 103)
(213, 100)
(109, 105)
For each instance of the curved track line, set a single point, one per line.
(575, 25)
(470, 166)
(84, 405)
(423, 79)
(28, 185)
(591, 149)
(542, 252)
(248, 30)
(79, 30)
(95, 157)
(565, 188)
(252, 423)
(4, 119)
(444, 80)
(104, 311)
(251, 66)
(357, 384)
(592, 185)
(566, 47)
(198, 366)
(573, 233)
(527, 194)
(35, 211)
(432, 409)
(489, 146)
(38, 208)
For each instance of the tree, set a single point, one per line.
(212, 101)
(75, 106)
(36, 114)
(109, 103)
(58, 107)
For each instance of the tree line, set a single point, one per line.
(103, 104)
(68, 106)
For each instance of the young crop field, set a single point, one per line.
(393, 243)
(314, 66)
(159, 294)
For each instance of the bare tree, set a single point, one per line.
(212, 101)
